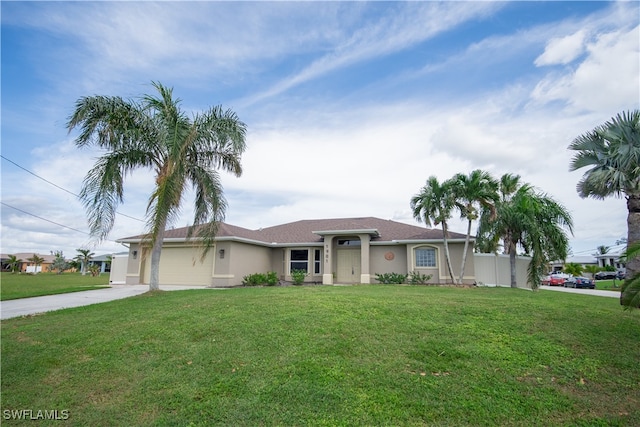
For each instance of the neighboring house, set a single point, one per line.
(27, 266)
(583, 260)
(332, 251)
(103, 261)
(612, 258)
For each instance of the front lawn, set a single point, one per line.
(323, 355)
(609, 285)
(25, 285)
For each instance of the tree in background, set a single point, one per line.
(84, 257)
(530, 220)
(573, 268)
(602, 250)
(36, 260)
(434, 204)
(14, 264)
(592, 269)
(59, 264)
(486, 240)
(612, 153)
(183, 152)
(473, 193)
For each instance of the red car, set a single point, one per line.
(554, 280)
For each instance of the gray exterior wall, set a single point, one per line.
(495, 270)
(248, 259)
(381, 265)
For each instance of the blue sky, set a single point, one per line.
(350, 106)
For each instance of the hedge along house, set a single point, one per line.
(331, 251)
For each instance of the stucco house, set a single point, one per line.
(332, 251)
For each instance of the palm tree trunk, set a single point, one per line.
(512, 264)
(464, 254)
(156, 250)
(633, 235)
(445, 232)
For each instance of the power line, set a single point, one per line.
(57, 186)
(44, 219)
(38, 176)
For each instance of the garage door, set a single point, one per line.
(182, 266)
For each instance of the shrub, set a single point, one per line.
(254, 279)
(416, 278)
(391, 278)
(271, 278)
(298, 276)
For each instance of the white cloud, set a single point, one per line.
(562, 50)
(607, 80)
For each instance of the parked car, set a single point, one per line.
(580, 282)
(606, 275)
(621, 275)
(555, 279)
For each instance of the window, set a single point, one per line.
(349, 242)
(317, 260)
(425, 257)
(299, 260)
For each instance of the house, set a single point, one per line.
(103, 262)
(331, 251)
(612, 258)
(27, 266)
(583, 260)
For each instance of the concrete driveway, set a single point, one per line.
(611, 294)
(27, 306)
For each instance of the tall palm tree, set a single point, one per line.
(612, 153)
(488, 240)
(434, 204)
(534, 222)
(14, 263)
(155, 133)
(473, 193)
(84, 256)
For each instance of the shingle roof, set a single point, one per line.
(305, 231)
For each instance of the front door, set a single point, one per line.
(348, 266)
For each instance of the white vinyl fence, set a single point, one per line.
(494, 270)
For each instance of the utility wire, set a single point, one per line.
(44, 219)
(52, 222)
(57, 186)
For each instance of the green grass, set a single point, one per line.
(609, 285)
(321, 355)
(24, 285)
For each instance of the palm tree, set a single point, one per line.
(14, 263)
(434, 204)
(612, 153)
(155, 133)
(473, 192)
(488, 241)
(532, 221)
(573, 268)
(591, 269)
(36, 260)
(630, 292)
(84, 257)
(602, 250)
